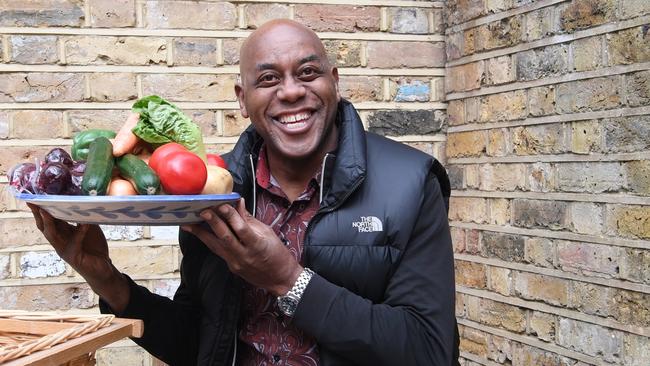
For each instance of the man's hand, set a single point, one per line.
(84, 247)
(250, 248)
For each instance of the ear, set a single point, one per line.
(239, 91)
(335, 75)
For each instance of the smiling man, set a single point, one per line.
(344, 247)
(339, 252)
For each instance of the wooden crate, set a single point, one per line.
(29, 338)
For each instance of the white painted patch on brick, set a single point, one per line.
(164, 232)
(587, 218)
(41, 264)
(591, 339)
(166, 288)
(5, 271)
(122, 232)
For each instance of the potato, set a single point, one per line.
(219, 181)
(121, 187)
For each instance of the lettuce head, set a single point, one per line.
(162, 122)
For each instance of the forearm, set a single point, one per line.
(169, 326)
(375, 334)
(113, 289)
(414, 322)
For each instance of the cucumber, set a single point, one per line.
(99, 166)
(143, 178)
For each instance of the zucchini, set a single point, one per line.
(143, 178)
(99, 167)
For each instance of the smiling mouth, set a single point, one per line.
(294, 121)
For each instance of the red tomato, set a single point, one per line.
(182, 172)
(161, 153)
(216, 159)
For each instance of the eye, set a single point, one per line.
(267, 79)
(308, 73)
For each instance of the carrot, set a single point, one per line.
(120, 187)
(126, 140)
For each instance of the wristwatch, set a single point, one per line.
(289, 302)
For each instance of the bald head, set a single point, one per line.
(289, 90)
(276, 32)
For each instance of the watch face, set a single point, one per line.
(287, 305)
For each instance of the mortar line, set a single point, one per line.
(534, 342)
(62, 56)
(146, 32)
(226, 69)
(477, 359)
(63, 280)
(550, 234)
(383, 19)
(503, 15)
(209, 105)
(557, 273)
(220, 122)
(556, 310)
(170, 51)
(241, 16)
(6, 52)
(87, 13)
(568, 77)
(553, 40)
(557, 196)
(393, 3)
(594, 157)
(558, 118)
(139, 14)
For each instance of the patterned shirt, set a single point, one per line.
(266, 336)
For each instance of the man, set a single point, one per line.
(339, 252)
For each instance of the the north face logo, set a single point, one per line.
(368, 224)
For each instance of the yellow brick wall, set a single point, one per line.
(70, 65)
(549, 114)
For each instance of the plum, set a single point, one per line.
(54, 178)
(58, 155)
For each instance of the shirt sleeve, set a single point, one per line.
(170, 326)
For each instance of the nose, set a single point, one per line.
(291, 90)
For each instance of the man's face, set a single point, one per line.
(289, 91)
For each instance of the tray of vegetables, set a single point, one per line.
(153, 171)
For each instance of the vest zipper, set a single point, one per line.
(254, 208)
(322, 178)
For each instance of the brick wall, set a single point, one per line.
(549, 121)
(70, 65)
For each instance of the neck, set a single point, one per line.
(293, 175)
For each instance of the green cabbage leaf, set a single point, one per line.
(162, 122)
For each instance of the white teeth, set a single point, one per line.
(292, 118)
(295, 126)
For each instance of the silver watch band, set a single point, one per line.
(301, 283)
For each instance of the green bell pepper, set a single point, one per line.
(81, 141)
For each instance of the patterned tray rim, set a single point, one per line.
(125, 199)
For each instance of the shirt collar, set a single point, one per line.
(267, 181)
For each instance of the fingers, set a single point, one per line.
(215, 244)
(239, 220)
(241, 208)
(51, 230)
